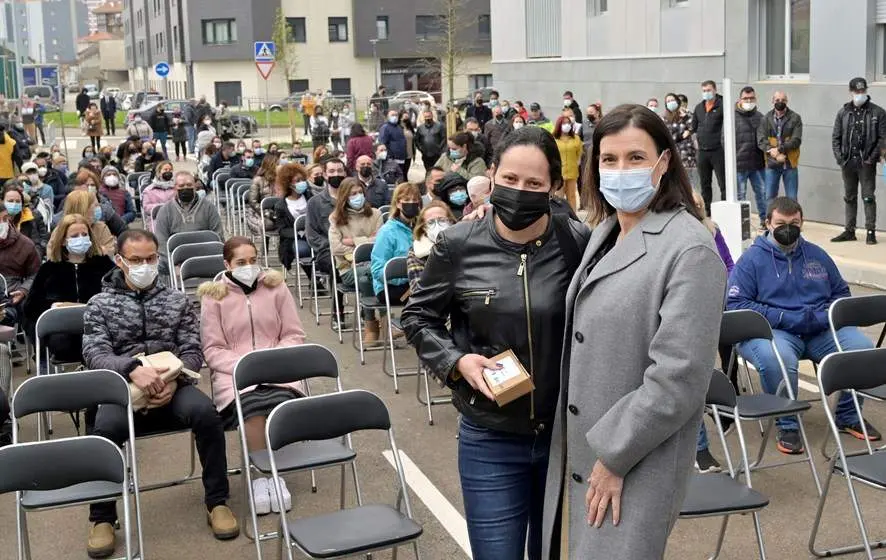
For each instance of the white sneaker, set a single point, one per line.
(261, 496)
(287, 497)
(272, 489)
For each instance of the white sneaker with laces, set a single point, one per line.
(287, 497)
(275, 507)
(261, 496)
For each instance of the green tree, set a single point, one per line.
(287, 61)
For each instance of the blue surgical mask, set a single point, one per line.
(249, 162)
(859, 99)
(14, 208)
(301, 187)
(357, 201)
(455, 155)
(672, 106)
(459, 198)
(707, 95)
(628, 190)
(259, 151)
(97, 213)
(393, 120)
(78, 245)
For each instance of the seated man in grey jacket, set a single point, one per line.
(134, 314)
(188, 211)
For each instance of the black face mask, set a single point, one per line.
(410, 210)
(320, 181)
(366, 172)
(335, 181)
(429, 122)
(186, 196)
(780, 106)
(786, 234)
(166, 175)
(519, 209)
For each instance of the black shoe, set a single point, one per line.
(789, 442)
(847, 235)
(728, 425)
(855, 431)
(872, 237)
(705, 462)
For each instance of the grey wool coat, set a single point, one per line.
(641, 338)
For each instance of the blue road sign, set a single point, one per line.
(265, 51)
(162, 69)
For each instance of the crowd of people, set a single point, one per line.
(497, 260)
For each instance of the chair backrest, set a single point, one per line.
(202, 267)
(395, 269)
(384, 208)
(201, 236)
(326, 416)
(3, 285)
(284, 365)
(858, 311)
(69, 392)
(385, 216)
(363, 252)
(721, 392)
(155, 211)
(55, 464)
(134, 179)
(741, 325)
(60, 320)
(188, 250)
(300, 223)
(269, 202)
(854, 369)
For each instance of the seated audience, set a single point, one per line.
(434, 218)
(387, 169)
(460, 158)
(359, 144)
(792, 283)
(479, 191)
(316, 178)
(294, 192)
(37, 187)
(225, 157)
(149, 157)
(159, 192)
(320, 207)
(120, 199)
(377, 192)
(248, 309)
(88, 181)
(264, 184)
(135, 314)
(19, 262)
(432, 179)
(28, 222)
(394, 239)
(453, 190)
(247, 167)
(85, 204)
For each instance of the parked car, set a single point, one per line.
(402, 99)
(113, 91)
(125, 100)
(283, 104)
(240, 126)
(92, 91)
(466, 102)
(143, 97)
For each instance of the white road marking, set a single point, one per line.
(434, 500)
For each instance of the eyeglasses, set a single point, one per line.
(135, 261)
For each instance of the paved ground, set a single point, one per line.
(175, 526)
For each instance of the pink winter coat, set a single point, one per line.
(155, 195)
(228, 319)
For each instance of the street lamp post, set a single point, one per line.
(375, 68)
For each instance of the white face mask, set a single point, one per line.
(112, 180)
(142, 275)
(748, 106)
(518, 125)
(435, 227)
(4, 230)
(566, 128)
(246, 275)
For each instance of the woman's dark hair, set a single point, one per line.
(558, 132)
(408, 122)
(672, 116)
(83, 152)
(674, 189)
(463, 139)
(538, 138)
(357, 130)
(683, 99)
(233, 244)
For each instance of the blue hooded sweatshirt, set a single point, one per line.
(793, 291)
(394, 239)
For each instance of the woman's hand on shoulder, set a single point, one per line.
(477, 214)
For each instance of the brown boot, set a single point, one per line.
(102, 540)
(370, 333)
(224, 524)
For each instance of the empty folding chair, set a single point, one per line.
(267, 203)
(275, 366)
(719, 494)
(300, 224)
(394, 269)
(53, 322)
(185, 237)
(362, 254)
(70, 392)
(339, 303)
(743, 325)
(860, 311)
(854, 371)
(350, 531)
(196, 270)
(184, 252)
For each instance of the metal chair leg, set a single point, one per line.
(720, 538)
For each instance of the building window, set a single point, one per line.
(544, 36)
(786, 24)
(599, 7)
(340, 86)
(477, 81)
(381, 28)
(427, 27)
(297, 31)
(219, 31)
(298, 86)
(338, 30)
(484, 29)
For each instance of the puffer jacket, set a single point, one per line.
(874, 133)
(233, 323)
(708, 125)
(120, 323)
(748, 156)
(482, 283)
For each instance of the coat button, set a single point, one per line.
(579, 337)
(573, 409)
(576, 477)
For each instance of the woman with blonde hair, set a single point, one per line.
(86, 204)
(433, 219)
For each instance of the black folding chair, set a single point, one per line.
(199, 269)
(184, 252)
(719, 494)
(351, 531)
(741, 326)
(395, 269)
(56, 321)
(275, 366)
(363, 254)
(853, 371)
(70, 392)
(267, 203)
(860, 311)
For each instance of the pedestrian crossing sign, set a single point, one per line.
(265, 51)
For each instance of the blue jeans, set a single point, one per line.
(792, 349)
(161, 138)
(756, 179)
(192, 138)
(503, 486)
(790, 177)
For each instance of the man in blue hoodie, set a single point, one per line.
(792, 283)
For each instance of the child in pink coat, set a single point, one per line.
(246, 310)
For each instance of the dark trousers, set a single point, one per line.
(429, 162)
(307, 120)
(852, 176)
(710, 162)
(110, 125)
(42, 134)
(190, 408)
(180, 147)
(95, 141)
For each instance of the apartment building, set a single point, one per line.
(617, 51)
(47, 30)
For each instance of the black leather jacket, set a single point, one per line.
(477, 279)
(874, 128)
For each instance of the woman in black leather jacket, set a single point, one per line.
(502, 281)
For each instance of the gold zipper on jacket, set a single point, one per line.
(251, 324)
(521, 271)
(475, 293)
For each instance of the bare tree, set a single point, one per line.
(287, 61)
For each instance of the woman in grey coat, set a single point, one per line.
(643, 317)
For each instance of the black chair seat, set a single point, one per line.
(351, 531)
(306, 261)
(876, 392)
(371, 302)
(719, 494)
(764, 405)
(304, 455)
(87, 491)
(194, 283)
(869, 468)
